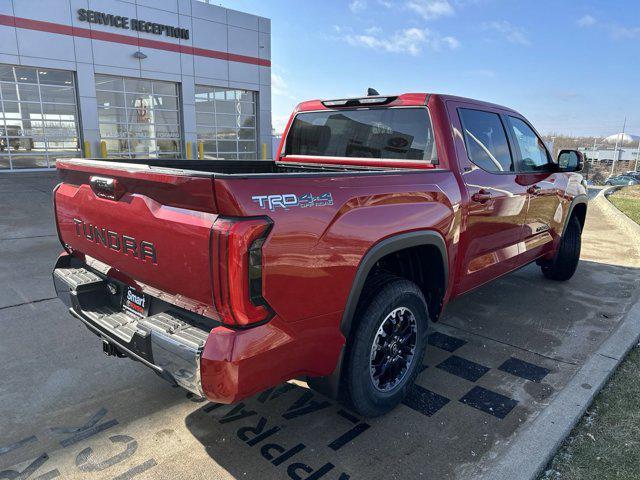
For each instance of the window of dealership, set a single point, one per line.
(39, 120)
(138, 118)
(226, 123)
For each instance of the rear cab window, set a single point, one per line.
(486, 141)
(379, 133)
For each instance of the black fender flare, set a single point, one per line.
(330, 385)
(381, 249)
(578, 199)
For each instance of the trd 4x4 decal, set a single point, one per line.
(287, 200)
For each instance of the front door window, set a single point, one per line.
(534, 156)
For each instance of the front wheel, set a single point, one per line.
(565, 262)
(387, 347)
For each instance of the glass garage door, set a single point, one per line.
(39, 117)
(139, 118)
(226, 123)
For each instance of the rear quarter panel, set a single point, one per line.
(312, 253)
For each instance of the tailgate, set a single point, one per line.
(151, 226)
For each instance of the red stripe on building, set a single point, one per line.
(50, 27)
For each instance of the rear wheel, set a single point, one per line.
(565, 262)
(387, 346)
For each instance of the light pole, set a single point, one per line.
(637, 156)
(593, 157)
(615, 151)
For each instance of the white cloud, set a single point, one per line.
(466, 3)
(619, 32)
(430, 9)
(512, 33)
(278, 86)
(586, 21)
(616, 31)
(357, 5)
(373, 30)
(411, 41)
(451, 42)
(278, 122)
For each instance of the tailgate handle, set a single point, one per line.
(106, 187)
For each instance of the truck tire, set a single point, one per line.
(565, 262)
(387, 347)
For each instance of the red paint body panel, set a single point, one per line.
(181, 238)
(311, 255)
(239, 363)
(178, 191)
(316, 259)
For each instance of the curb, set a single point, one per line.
(624, 222)
(531, 450)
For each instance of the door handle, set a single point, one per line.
(533, 189)
(481, 196)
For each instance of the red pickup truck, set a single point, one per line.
(229, 277)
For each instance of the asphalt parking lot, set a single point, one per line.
(497, 359)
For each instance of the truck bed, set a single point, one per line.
(235, 167)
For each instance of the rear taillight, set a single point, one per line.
(237, 270)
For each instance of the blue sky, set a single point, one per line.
(570, 67)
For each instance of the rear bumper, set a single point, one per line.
(164, 341)
(223, 364)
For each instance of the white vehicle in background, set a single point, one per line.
(10, 137)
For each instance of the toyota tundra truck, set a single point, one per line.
(228, 277)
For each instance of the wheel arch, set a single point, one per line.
(389, 245)
(330, 385)
(578, 207)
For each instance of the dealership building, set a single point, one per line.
(132, 79)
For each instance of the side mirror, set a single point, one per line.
(570, 161)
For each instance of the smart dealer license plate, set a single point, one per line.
(135, 302)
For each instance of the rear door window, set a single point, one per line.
(486, 140)
(385, 133)
(533, 154)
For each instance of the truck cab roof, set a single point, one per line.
(395, 100)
